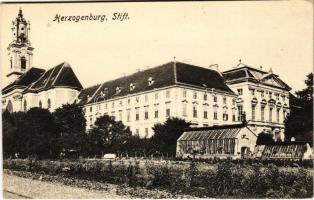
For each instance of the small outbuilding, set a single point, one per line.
(233, 141)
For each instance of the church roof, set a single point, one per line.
(243, 73)
(24, 80)
(61, 75)
(172, 73)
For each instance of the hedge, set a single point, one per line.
(226, 180)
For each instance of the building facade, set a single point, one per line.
(262, 95)
(28, 86)
(198, 95)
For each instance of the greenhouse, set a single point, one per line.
(284, 150)
(234, 141)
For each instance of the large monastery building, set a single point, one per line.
(201, 95)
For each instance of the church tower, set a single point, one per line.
(20, 50)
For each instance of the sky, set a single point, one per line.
(271, 34)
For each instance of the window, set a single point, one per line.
(252, 91)
(156, 96)
(146, 113)
(205, 113)
(195, 95)
(240, 113)
(194, 112)
(40, 104)
(184, 111)
(98, 107)
(132, 86)
(277, 96)
(262, 113)
(156, 111)
(262, 93)
(106, 106)
(270, 114)
(224, 100)
(167, 93)
(146, 132)
(215, 98)
(91, 109)
(151, 81)
(253, 112)
(11, 63)
(137, 131)
(120, 115)
(215, 114)
(137, 114)
(277, 115)
(284, 115)
(233, 101)
(128, 115)
(118, 90)
(233, 116)
(184, 94)
(23, 63)
(129, 101)
(240, 91)
(25, 105)
(283, 97)
(205, 97)
(146, 98)
(121, 103)
(112, 104)
(137, 99)
(49, 104)
(90, 121)
(113, 113)
(167, 110)
(270, 95)
(225, 115)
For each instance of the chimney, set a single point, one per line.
(261, 67)
(214, 67)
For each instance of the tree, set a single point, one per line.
(12, 140)
(166, 135)
(299, 123)
(264, 138)
(71, 124)
(107, 136)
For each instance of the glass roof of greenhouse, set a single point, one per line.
(219, 132)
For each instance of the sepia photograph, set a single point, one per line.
(157, 100)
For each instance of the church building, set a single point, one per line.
(30, 86)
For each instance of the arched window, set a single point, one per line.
(23, 63)
(49, 104)
(25, 105)
(10, 106)
(40, 104)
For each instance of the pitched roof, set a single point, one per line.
(214, 132)
(24, 80)
(59, 76)
(172, 73)
(243, 73)
(86, 94)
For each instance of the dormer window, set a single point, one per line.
(151, 81)
(132, 86)
(118, 90)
